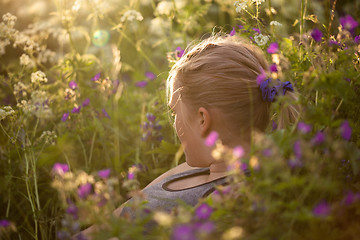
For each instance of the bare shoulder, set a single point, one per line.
(178, 169)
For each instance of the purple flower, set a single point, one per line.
(211, 139)
(357, 39)
(304, 128)
(261, 77)
(72, 85)
(183, 232)
(318, 138)
(104, 173)
(295, 163)
(238, 151)
(179, 52)
(76, 109)
(206, 227)
(4, 223)
(73, 211)
(349, 198)
(316, 34)
(150, 75)
(131, 175)
(150, 117)
(297, 149)
(273, 68)
(232, 33)
(349, 23)
(65, 117)
(322, 209)
(203, 211)
(256, 30)
(345, 130)
(141, 84)
(273, 48)
(333, 42)
(267, 152)
(240, 26)
(60, 168)
(105, 113)
(273, 125)
(84, 190)
(96, 77)
(86, 102)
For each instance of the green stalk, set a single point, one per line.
(302, 17)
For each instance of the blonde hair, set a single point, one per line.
(220, 72)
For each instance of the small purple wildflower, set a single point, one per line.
(318, 138)
(232, 33)
(65, 117)
(297, 149)
(333, 42)
(86, 102)
(203, 211)
(84, 190)
(206, 227)
(104, 173)
(179, 52)
(150, 75)
(256, 30)
(141, 84)
(211, 139)
(60, 168)
(261, 77)
(63, 235)
(316, 34)
(273, 48)
(240, 26)
(183, 232)
(150, 117)
(357, 39)
(96, 77)
(238, 151)
(73, 211)
(267, 152)
(72, 85)
(322, 209)
(345, 130)
(304, 128)
(273, 68)
(295, 163)
(273, 125)
(4, 223)
(76, 109)
(349, 198)
(105, 113)
(349, 23)
(131, 175)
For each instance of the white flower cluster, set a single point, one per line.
(49, 137)
(9, 19)
(131, 15)
(261, 39)
(240, 5)
(164, 7)
(258, 2)
(26, 61)
(37, 105)
(5, 112)
(275, 23)
(20, 90)
(38, 77)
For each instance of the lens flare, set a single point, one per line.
(100, 38)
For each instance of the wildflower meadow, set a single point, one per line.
(84, 121)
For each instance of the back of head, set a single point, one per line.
(220, 72)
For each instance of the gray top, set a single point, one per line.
(158, 196)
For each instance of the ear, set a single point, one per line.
(204, 118)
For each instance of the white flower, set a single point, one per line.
(164, 8)
(158, 27)
(38, 77)
(275, 23)
(131, 15)
(25, 60)
(239, 6)
(9, 19)
(20, 89)
(261, 39)
(258, 2)
(49, 137)
(5, 112)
